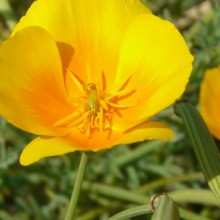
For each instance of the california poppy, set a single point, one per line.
(210, 100)
(88, 75)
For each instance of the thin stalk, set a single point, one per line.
(77, 187)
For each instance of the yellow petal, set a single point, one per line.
(158, 60)
(42, 147)
(32, 91)
(81, 17)
(150, 130)
(210, 100)
(93, 28)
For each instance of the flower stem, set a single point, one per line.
(77, 187)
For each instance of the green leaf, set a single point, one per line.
(203, 144)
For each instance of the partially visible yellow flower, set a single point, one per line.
(88, 75)
(210, 100)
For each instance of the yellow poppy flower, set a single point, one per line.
(88, 75)
(210, 100)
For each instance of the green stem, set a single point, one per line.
(77, 187)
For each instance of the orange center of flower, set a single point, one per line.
(94, 109)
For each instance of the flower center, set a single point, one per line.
(94, 109)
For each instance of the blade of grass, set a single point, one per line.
(132, 212)
(188, 215)
(139, 152)
(114, 192)
(198, 196)
(170, 181)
